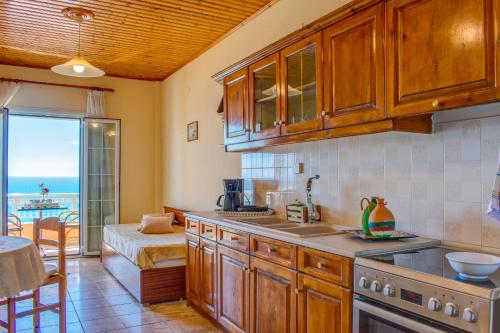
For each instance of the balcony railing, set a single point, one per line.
(71, 201)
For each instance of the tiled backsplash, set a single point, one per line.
(436, 185)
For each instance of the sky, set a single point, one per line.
(40, 146)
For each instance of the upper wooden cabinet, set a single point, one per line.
(236, 107)
(302, 85)
(370, 66)
(354, 69)
(441, 54)
(264, 92)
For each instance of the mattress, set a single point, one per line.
(146, 250)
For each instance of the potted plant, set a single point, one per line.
(43, 191)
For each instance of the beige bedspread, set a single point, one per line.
(145, 250)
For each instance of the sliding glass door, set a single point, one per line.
(101, 180)
(4, 121)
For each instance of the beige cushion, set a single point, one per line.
(157, 224)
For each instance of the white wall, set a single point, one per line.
(194, 170)
(135, 102)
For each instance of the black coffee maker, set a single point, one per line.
(233, 195)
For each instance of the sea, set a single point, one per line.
(26, 185)
(19, 187)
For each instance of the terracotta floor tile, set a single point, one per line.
(95, 313)
(96, 326)
(152, 328)
(192, 324)
(96, 302)
(141, 318)
(130, 308)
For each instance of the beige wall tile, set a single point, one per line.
(436, 185)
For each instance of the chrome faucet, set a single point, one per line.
(314, 211)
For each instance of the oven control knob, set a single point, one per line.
(451, 309)
(389, 290)
(364, 283)
(376, 286)
(434, 304)
(470, 315)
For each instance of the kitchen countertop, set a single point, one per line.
(341, 244)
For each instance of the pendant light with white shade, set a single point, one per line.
(78, 66)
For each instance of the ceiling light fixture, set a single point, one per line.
(78, 66)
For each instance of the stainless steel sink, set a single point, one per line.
(310, 231)
(288, 228)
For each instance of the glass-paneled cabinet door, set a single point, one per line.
(101, 180)
(264, 99)
(302, 80)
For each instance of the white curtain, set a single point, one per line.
(8, 89)
(95, 103)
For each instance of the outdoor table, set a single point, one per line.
(21, 266)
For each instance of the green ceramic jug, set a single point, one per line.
(366, 211)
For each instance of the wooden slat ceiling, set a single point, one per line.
(142, 39)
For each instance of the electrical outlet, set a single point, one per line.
(299, 167)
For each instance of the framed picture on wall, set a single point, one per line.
(192, 131)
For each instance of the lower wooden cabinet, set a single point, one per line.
(247, 292)
(233, 275)
(272, 297)
(192, 263)
(208, 277)
(323, 306)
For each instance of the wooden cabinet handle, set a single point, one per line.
(233, 238)
(323, 113)
(275, 123)
(297, 290)
(320, 265)
(437, 104)
(269, 250)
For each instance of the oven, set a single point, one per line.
(370, 316)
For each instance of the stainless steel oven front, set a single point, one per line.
(370, 316)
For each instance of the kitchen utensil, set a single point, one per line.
(473, 265)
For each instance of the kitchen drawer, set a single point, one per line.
(235, 239)
(282, 253)
(208, 230)
(193, 226)
(326, 266)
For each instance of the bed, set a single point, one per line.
(151, 267)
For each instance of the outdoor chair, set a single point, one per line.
(14, 225)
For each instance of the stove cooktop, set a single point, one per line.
(433, 261)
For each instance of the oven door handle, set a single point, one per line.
(395, 318)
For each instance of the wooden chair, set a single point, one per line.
(56, 275)
(14, 225)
